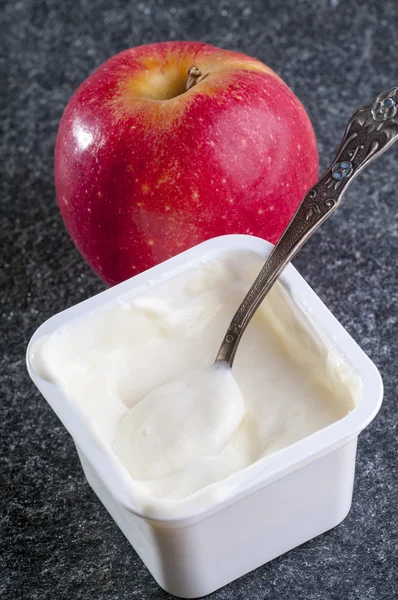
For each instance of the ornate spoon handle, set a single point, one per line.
(371, 130)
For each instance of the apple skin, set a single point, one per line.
(144, 170)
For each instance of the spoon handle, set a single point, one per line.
(371, 130)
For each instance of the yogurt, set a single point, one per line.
(140, 370)
(183, 422)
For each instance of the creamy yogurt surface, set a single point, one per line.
(202, 424)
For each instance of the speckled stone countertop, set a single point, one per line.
(57, 541)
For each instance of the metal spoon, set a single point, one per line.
(371, 130)
(205, 407)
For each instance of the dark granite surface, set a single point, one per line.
(57, 541)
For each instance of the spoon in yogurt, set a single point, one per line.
(198, 413)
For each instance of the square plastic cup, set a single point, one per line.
(298, 493)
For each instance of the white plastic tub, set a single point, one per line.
(296, 494)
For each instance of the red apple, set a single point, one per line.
(145, 169)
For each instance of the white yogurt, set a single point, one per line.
(190, 419)
(199, 426)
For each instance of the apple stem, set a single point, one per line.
(194, 76)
